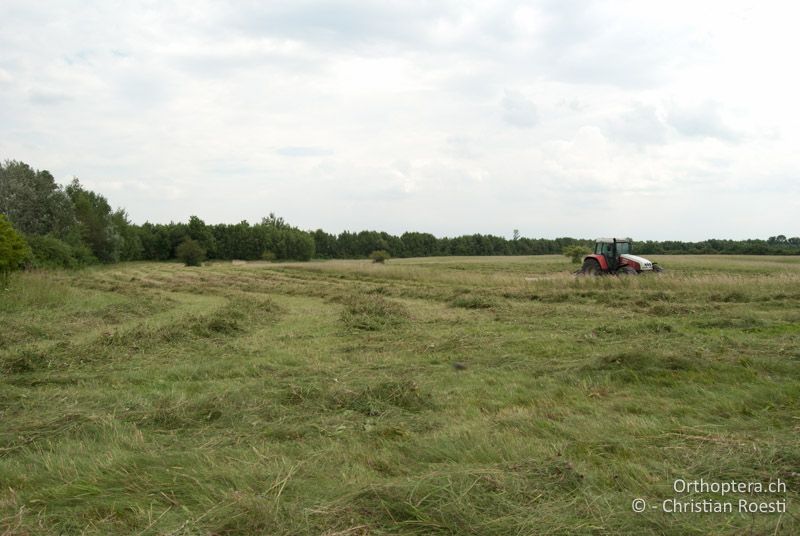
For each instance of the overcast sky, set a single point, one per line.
(655, 120)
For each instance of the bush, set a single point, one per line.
(267, 255)
(13, 250)
(575, 253)
(190, 252)
(380, 256)
(300, 245)
(49, 252)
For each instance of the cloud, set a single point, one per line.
(622, 44)
(460, 146)
(641, 124)
(345, 23)
(349, 114)
(5, 77)
(703, 120)
(518, 110)
(47, 98)
(304, 151)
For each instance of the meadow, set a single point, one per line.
(472, 395)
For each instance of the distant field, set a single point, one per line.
(477, 395)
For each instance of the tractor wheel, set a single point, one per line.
(657, 269)
(627, 270)
(590, 267)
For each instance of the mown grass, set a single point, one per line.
(425, 396)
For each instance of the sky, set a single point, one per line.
(656, 120)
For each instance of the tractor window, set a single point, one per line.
(607, 248)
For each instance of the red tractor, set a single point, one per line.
(613, 256)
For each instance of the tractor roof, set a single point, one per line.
(610, 240)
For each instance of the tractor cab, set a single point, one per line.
(611, 249)
(613, 256)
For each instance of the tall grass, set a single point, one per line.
(323, 398)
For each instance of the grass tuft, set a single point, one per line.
(378, 399)
(473, 302)
(372, 313)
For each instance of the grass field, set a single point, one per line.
(443, 395)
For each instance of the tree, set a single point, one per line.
(95, 222)
(48, 251)
(33, 202)
(190, 252)
(575, 253)
(325, 244)
(380, 256)
(199, 231)
(131, 248)
(419, 244)
(13, 250)
(299, 245)
(274, 221)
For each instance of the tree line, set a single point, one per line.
(73, 226)
(70, 226)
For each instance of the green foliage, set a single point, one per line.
(249, 242)
(380, 256)
(576, 253)
(159, 241)
(13, 250)
(199, 231)
(49, 252)
(96, 223)
(33, 202)
(299, 245)
(131, 248)
(66, 227)
(84, 220)
(419, 244)
(190, 252)
(275, 221)
(272, 237)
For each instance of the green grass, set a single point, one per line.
(426, 396)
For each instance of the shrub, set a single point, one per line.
(380, 256)
(575, 253)
(267, 255)
(83, 255)
(49, 252)
(190, 252)
(13, 250)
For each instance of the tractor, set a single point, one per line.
(613, 256)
